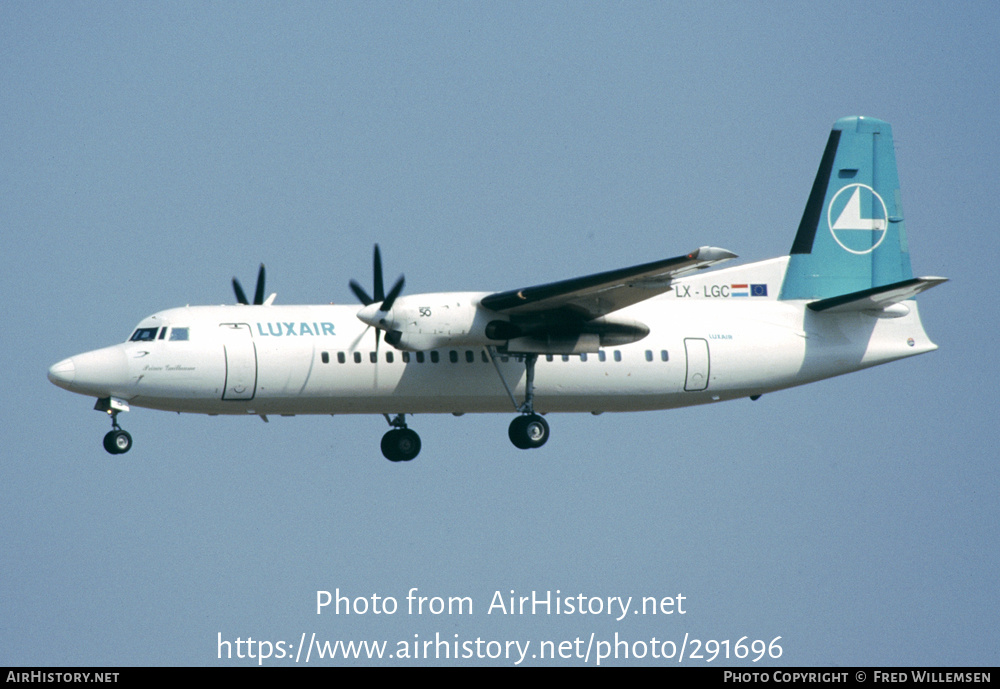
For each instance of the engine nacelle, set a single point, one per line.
(434, 321)
(430, 321)
(587, 337)
(578, 343)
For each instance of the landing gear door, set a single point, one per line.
(698, 365)
(241, 362)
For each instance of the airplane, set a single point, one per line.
(659, 335)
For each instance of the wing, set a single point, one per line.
(592, 296)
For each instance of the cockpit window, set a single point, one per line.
(179, 334)
(144, 335)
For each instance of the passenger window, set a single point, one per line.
(618, 355)
(388, 357)
(649, 355)
(453, 356)
(602, 355)
(325, 357)
(583, 356)
(435, 356)
(420, 357)
(664, 356)
(179, 334)
(470, 356)
(406, 357)
(357, 357)
(341, 357)
(373, 357)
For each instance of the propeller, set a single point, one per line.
(385, 301)
(380, 295)
(258, 297)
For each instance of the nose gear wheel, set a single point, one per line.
(117, 441)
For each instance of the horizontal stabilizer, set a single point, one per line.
(876, 298)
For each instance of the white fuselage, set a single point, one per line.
(708, 342)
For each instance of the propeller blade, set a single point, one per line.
(378, 337)
(258, 297)
(384, 301)
(241, 296)
(357, 340)
(360, 293)
(393, 293)
(377, 269)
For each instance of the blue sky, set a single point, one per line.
(151, 152)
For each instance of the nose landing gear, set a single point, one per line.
(117, 441)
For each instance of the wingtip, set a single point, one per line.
(713, 253)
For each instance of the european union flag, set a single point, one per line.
(758, 290)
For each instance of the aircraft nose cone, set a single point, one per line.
(101, 373)
(62, 374)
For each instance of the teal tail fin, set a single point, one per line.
(851, 237)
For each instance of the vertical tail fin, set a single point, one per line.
(851, 236)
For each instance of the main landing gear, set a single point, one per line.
(526, 432)
(401, 444)
(529, 430)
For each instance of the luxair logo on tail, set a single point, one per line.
(858, 218)
(855, 196)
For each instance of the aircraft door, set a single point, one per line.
(241, 362)
(698, 364)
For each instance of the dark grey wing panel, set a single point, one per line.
(595, 295)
